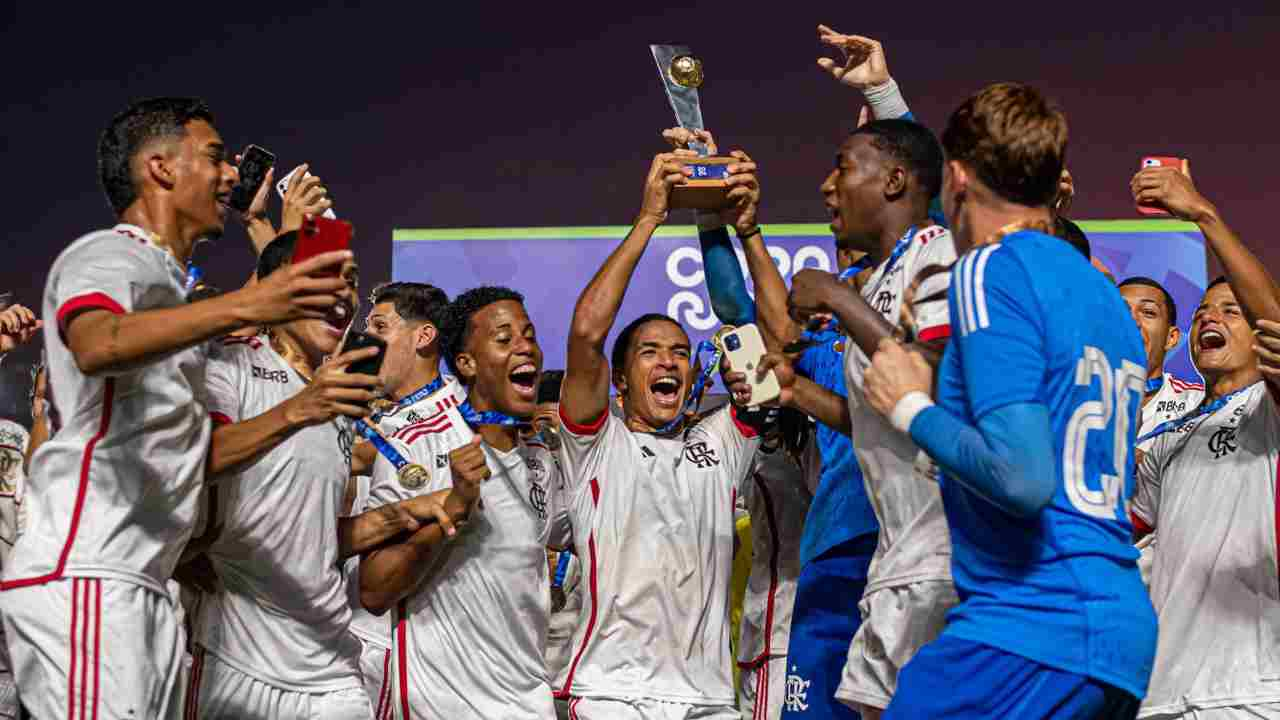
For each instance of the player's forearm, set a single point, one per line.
(1253, 286)
(234, 443)
(39, 434)
(775, 323)
(865, 326)
(597, 307)
(726, 287)
(261, 233)
(361, 533)
(1007, 460)
(392, 571)
(104, 343)
(821, 404)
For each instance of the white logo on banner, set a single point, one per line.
(684, 270)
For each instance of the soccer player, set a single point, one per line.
(1207, 488)
(1037, 396)
(783, 478)
(1165, 397)
(651, 500)
(887, 172)
(90, 625)
(404, 316)
(470, 619)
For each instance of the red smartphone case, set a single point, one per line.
(1159, 161)
(321, 235)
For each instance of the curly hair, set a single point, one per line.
(455, 318)
(132, 130)
(1014, 139)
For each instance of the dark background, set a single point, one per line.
(482, 114)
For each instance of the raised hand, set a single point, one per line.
(296, 291)
(334, 392)
(1173, 190)
(895, 371)
(810, 293)
(864, 63)
(258, 208)
(469, 469)
(744, 193)
(783, 370)
(665, 173)
(680, 138)
(306, 196)
(18, 325)
(1267, 347)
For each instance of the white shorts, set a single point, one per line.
(221, 691)
(375, 666)
(761, 689)
(1261, 711)
(896, 623)
(582, 708)
(94, 647)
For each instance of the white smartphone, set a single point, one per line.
(745, 349)
(282, 187)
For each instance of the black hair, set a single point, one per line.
(1216, 282)
(132, 130)
(414, 302)
(1151, 283)
(912, 144)
(549, 386)
(618, 356)
(1072, 233)
(455, 318)
(276, 254)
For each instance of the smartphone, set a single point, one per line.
(745, 349)
(282, 187)
(255, 163)
(321, 235)
(1160, 161)
(357, 340)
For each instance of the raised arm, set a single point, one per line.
(866, 69)
(107, 340)
(1174, 191)
(584, 395)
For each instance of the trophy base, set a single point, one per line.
(706, 188)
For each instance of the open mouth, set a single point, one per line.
(224, 202)
(1212, 340)
(666, 391)
(339, 317)
(525, 380)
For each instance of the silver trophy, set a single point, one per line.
(682, 75)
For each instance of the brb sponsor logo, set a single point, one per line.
(689, 304)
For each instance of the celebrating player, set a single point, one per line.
(112, 496)
(1037, 395)
(470, 620)
(1165, 397)
(1207, 487)
(651, 501)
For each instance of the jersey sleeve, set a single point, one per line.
(737, 441)
(930, 305)
(1145, 503)
(584, 449)
(999, 330)
(223, 381)
(104, 274)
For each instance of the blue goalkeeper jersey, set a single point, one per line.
(1033, 322)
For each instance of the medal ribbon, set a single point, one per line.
(382, 444)
(194, 275)
(1203, 410)
(704, 379)
(1154, 384)
(420, 393)
(486, 417)
(899, 250)
(562, 568)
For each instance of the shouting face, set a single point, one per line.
(501, 360)
(655, 377)
(1221, 339)
(854, 193)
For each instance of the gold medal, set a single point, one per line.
(413, 476)
(686, 71)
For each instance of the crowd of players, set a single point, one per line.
(979, 494)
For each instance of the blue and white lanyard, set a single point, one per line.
(194, 276)
(422, 392)
(1154, 384)
(486, 417)
(388, 451)
(1203, 410)
(898, 251)
(562, 568)
(704, 380)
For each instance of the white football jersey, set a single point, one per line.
(13, 448)
(470, 641)
(430, 410)
(914, 543)
(778, 493)
(653, 521)
(282, 613)
(1209, 491)
(114, 493)
(1174, 399)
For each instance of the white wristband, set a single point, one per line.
(886, 101)
(908, 408)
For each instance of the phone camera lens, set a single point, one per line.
(732, 343)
